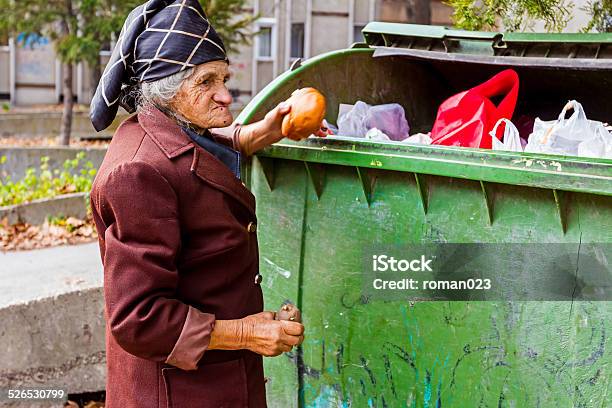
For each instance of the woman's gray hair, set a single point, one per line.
(160, 93)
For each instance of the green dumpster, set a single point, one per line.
(321, 201)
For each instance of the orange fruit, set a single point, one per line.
(307, 112)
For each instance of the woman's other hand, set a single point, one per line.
(259, 333)
(266, 336)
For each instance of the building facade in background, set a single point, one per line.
(30, 73)
(294, 29)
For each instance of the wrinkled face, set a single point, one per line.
(203, 99)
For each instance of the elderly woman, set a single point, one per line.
(177, 228)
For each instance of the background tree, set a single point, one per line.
(602, 16)
(77, 28)
(515, 15)
(80, 28)
(231, 22)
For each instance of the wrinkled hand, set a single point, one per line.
(271, 125)
(266, 336)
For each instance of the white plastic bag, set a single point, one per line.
(419, 138)
(352, 120)
(389, 118)
(376, 134)
(511, 140)
(576, 136)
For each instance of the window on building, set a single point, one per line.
(357, 35)
(265, 40)
(297, 40)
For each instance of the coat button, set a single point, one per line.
(258, 279)
(252, 227)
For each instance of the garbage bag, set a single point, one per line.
(389, 118)
(376, 134)
(419, 138)
(511, 140)
(331, 129)
(576, 136)
(352, 119)
(467, 118)
(356, 120)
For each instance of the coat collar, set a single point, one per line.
(165, 132)
(173, 141)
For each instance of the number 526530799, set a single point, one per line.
(34, 394)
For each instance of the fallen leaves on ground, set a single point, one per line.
(90, 404)
(64, 232)
(93, 404)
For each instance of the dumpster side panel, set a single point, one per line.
(371, 353)
(280, 216)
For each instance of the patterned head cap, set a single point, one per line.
(158, 39)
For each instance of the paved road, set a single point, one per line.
(29, 275)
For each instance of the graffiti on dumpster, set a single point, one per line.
(497, 373)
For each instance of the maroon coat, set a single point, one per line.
(177, 240)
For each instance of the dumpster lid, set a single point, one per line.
(556, 50)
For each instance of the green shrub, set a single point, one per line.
(76, 176)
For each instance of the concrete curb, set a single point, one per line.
(36, 212)
(56, 342)
(52, 312)
(19, 159)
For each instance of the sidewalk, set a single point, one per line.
(31, 275)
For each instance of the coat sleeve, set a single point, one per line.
(230, 136)
(142, 240)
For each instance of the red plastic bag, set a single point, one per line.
(467, 118)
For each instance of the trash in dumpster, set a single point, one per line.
(467, 118)
(389, 119)
(351, 119)
(462, 120)
(376, 134)
(511, 141)
(329, 128)
(419, 138)
(576, 136)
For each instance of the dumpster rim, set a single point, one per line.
(483, 165)
(577, 64)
